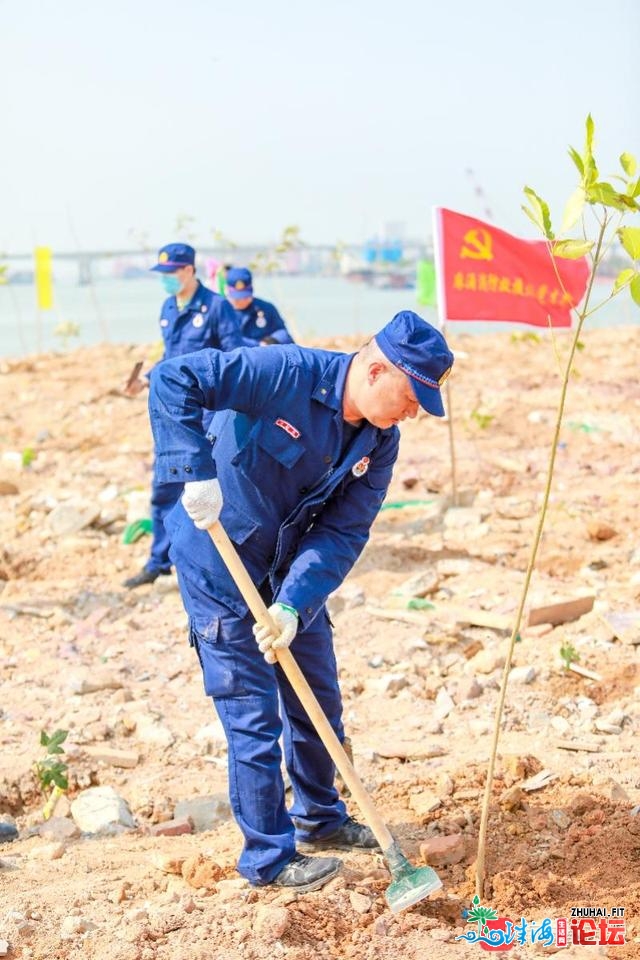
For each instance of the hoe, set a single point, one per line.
(408, 884)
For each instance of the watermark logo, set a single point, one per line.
(586, 926)
(492, 933)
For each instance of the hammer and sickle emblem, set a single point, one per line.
(476, 245)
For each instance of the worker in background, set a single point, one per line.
(192, 317)
(259, 320)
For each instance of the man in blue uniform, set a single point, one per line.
(192, 317)
(304, 443)
(259, 320)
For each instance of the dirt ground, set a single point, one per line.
(79, 652)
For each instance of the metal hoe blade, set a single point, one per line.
(409, 884)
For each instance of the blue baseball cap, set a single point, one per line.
(239, 280)
(421, 352)
(174, 256)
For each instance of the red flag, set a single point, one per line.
(488, 274)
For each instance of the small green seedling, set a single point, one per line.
(65, 331)
(527, 336)
(28, 456)
(482, 419)
(50, 771)
(569, 654)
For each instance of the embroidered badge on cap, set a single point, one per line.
(292, 431)
(360, 468)
(198, 320)
(163, 257)
(239, 285)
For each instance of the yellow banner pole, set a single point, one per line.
(43, 277)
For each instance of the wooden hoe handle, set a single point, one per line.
(304, 692)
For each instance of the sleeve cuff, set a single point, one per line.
(307, 612)
(170, 469)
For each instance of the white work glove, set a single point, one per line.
(202, 499)
(286, 620)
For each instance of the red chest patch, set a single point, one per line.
(291, 430)
(360, 468)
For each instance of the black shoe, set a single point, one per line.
(303, 874)
(350, 835)
(145, 576)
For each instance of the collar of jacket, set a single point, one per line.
(330, 388)
(194, 304)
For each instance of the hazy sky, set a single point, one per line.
(335, 115)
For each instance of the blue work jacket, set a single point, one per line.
(261, 319)
(208, 320)
(301, 487)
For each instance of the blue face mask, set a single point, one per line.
(170, 283)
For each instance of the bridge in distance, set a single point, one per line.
(305, 258)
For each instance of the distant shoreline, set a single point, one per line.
(127, 311)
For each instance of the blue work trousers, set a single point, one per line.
(164, 496)
(256, 705)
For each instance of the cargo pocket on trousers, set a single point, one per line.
(218, 656)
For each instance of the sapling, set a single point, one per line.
(65, 330)
(28, 456)
(568, 654)
(595, 210)
(482, 419)
(51, 771)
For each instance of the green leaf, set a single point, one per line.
(59, 777)
(44, 739)
(532, 216)
(539, 212)
(605, 194)
(571, 249)
(630, 239)
(623, 278)
(590, 173)
(634, 286)
(46, 778)
(590, 169)
(573, 210)
(59, 737)
(628, 163)
(577, 159)
(569, 654)
(588, 147)
(482, 419)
